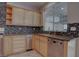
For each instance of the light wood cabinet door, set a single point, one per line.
(7, 45)
(33, 42)
(28, 18)
(17, 16)
(40, 44)
(37, 19)
(43, 46)
(19, 44)
(37, 42)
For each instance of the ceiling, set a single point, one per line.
(28, 5)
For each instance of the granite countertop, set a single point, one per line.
(59, 37)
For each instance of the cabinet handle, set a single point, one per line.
(48, 39)
(54, 41)
(61, 43)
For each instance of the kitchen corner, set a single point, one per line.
(52, 31)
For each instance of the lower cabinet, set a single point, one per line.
(40, 44)
(14, 44)
(51, 47)
(37, 43)
(43, 45)
(7, 46)
(19, 44)
(33, 42)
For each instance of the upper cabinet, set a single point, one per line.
(28, 18)
(37, 19)
(23, 17)
(18, 16)
(9, 10)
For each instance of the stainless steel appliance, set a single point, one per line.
(55, 48)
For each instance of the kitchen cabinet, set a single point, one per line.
(37, 19)
(37, 42)
(40, 44)
(17, 16)
(7, 46)
(28, 21)
(1, 51)
(19, 44)
(33, 41)
(28, 42)
(32, 18)
(43, 45)
(14, 44)
(51, 47)
(9, 15)
(73, 48)
(76, 44)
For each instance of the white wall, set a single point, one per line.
(73, 12)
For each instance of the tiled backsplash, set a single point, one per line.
(73, 32)
(20, 30)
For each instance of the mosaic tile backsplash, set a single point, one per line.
(20, 30)
(2, 14)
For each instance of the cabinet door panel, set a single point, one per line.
(37, 19)
(43, 48)
(7, 46)
(33, 42)
(18, 16)
(43, 45)
(28, 18)
(19, 44)
(37, 43)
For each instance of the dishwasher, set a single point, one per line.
(55, 48)
(28, 42)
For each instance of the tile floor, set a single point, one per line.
(27, 54)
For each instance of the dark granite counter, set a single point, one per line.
(58, 37)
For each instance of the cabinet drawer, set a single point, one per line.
(18, 46)
(19, 41)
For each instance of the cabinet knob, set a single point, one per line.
(54, 41)
(61, 43)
